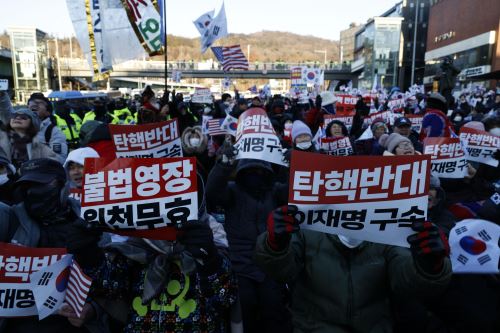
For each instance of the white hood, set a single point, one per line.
(79, 155)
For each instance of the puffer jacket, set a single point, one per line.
(246, 214)
(337, 289)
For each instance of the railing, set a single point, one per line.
(134, 65)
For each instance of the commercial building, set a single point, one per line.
(376, 50)
(468, 32)
(29, 61)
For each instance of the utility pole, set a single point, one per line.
(414, 44)
(58, 65)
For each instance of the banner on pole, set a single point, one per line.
(256, 138)
(480, 145)
(372, 198)
(447, 157)
(16, 265)
(140, 197)
(147, 140)
(202, 96)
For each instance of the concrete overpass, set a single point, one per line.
(156, 69)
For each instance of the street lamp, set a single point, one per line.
(321, 51)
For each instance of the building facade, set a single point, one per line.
(347, 42)
(467, 31)
(29, 61)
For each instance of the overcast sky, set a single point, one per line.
(321, 18)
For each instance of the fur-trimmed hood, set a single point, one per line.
(186, 145)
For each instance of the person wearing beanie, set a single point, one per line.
(302, 136)
(49, 133)
(19, 139)
(396, 144)
(195, 143)
(74, 165)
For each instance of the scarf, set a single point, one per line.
(19, 148)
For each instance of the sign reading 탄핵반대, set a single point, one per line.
(373, 198)
(448, 157)
(149, 140)
(480, 145)
(140, 197)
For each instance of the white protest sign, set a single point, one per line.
(474, 247)
(448, 157)
(4, 84)
(372, 198)
(256, 138)
(480, 145)
(202, 96)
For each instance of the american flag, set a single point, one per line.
(78, 288)
(214, 127)
(230, 57)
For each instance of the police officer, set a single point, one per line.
(100, 113)
(69, 123)
(122, 114)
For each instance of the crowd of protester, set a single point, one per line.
(246, 265)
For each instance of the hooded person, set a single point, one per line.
(302, 137)
(195, 143)
(329, 273)
(19, 139)
(247, 200)
(47, 218)
(74, 165)
(185, 285)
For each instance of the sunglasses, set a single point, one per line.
(20, 116)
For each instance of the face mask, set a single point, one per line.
(43, 201)
(350, 242)
(195, 142)
(304, 145)
(4, 178)
(457, 118)
(495, 131)
(207, 110)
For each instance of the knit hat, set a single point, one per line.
(35, 121)
(376, 123)
(79, 155)
(299, 128)
(390, 142)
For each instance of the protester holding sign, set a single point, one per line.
(247, 201)
(47, 218)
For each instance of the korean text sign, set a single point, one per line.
(345, 119)
(255, 137)
(416, 122)
(480, 145)
(337, 146)
(148, 140)
(373, 198)
(448, 157)
(141, 197)
(16, 265)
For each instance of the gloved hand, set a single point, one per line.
(318, 102)
(429, 247)
(198, 239)
(229, 153)
(281, 224)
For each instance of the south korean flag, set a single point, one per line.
(49, 286)
(474, 247)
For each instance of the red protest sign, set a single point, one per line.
(346, 119)
(448, 157)
(16, 265)
(337, 146)
(140, 197)
(374, 198)
(345, 104)
(480, 145)
(256, 138)
(149, 140)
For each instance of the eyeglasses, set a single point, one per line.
(405, 145)
(20, 116)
